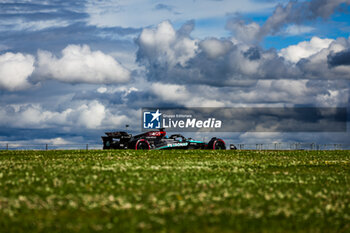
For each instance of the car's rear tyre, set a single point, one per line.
(219, 144)
(142, 145)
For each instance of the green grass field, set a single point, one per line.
(174, 191)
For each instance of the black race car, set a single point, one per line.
(157, 140)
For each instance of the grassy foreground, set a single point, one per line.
(174, 191)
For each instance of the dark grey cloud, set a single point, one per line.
(107, 99)
(252, 53)
(339, 59)
(137, 100)
(186, 28)
(325, 8)
(29, 137)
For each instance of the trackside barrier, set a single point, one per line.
(253, 146)
(20, 146)
(292, 146)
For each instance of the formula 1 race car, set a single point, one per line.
(157, 140)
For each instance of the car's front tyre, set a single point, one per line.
(219, 145)
(216, 144)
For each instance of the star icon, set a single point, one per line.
(156, 115)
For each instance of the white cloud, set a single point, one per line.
(260, 137)
(293, 30)
(275, 91)
(246, 33)
(181, 94)
(21, 25)
(90, 115)
(170, 92)
(52, 141)
(317, 65)
(305, 49)
(265, 93)
(79, 64)
(15, 68)
(214, 47)
(164, 45)
(101, 90)
(70, 142)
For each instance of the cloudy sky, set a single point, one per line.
(71, 70)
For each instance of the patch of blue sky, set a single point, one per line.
(338, 25)
(258, 17)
